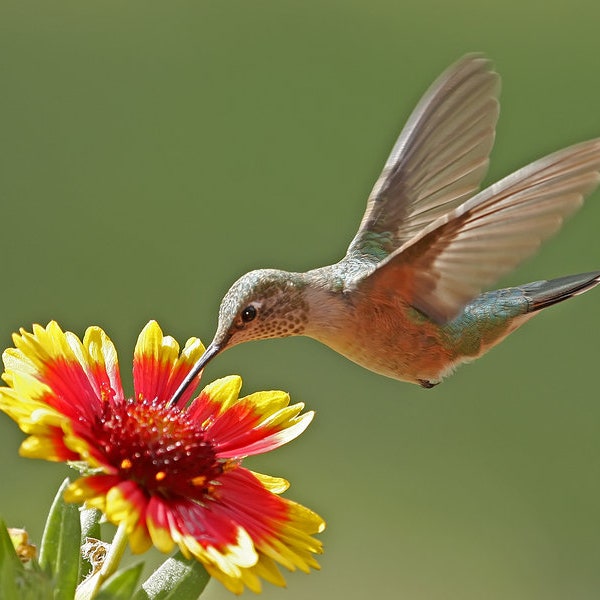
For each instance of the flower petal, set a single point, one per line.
(245, 426)
(31, 415)
(55, 368)
(102, 363)
(265, 437)
(125, 502)
(91, 489)
(277, 485)
(48, 447)
(214, 540)
(158, 369)
(215, 399)
(280, 529)
(157, 521)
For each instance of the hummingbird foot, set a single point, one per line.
(427, 384)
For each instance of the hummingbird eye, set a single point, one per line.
(249, 313)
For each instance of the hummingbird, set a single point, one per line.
(406, 300)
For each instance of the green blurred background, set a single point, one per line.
(152, 152)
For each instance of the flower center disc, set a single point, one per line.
(157, 446)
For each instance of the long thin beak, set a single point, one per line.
(212, 350)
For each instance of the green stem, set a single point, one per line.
(89, 588)
(115, 554)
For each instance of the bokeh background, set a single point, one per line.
(152, 152)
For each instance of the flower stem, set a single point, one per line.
(117, 548)
(89, 588)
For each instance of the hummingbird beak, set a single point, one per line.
(212, 350)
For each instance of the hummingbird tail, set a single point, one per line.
(541, 294)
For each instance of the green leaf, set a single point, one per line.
(60, 554)
(176, 579)
(69, 554)
(121, 585)
(51, 535)
(11, 568)
(90, 523)
(18, 582)
(8, 554)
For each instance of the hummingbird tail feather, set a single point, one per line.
(541, 294)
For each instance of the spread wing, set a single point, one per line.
(450, 261)
(437, 162)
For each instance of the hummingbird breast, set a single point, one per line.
(382, 334)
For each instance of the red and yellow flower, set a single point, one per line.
(172, 474)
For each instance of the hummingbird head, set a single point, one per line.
(261, 304)
(267, 303)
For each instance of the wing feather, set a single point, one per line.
(450, 261)
(439, 159)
